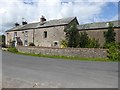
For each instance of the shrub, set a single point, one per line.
(87, 42)
(63, 43)
(31, 44)
(113, 52)
(108, 45)
(11, 49)
(110, 34)
(93, 43)
(84, 40)
(118, 51)
(72, 35)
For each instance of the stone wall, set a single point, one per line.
(36, 36)
(98, 35)
(77, 52)
(54, 34)
(21, 34)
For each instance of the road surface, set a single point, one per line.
(48, 72)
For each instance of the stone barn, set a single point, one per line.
(96, 30)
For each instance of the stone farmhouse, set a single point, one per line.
(43, 33)
(51, 33)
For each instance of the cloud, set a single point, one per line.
(115, 17)
(31, 10)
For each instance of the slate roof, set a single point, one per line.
(97, 25)
(50, 23)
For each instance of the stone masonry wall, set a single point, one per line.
(98, 35)
(77, 52)
(53, 34)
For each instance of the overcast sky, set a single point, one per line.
(86, 11)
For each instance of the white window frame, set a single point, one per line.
(55, 42)
(26, 42)
(15, 34)
(26, 33)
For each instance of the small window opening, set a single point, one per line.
(15, 34)
(26, 42)
(55, 43)
(26, 33)
(45, 34)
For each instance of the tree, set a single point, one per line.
(84, 40)
(87, 42)
(72, 36)
(114, 52)
(110, 34)
(93, 43)
(2, 40)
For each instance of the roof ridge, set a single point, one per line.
(49, 20)
(100, 22)
(60, 18)
(49, 23)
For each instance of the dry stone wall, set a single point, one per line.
(73, 52)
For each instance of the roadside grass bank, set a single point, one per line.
(64, 57)
(14, 50)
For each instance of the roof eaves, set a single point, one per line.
(36, 28)
(94, 28)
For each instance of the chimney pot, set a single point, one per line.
(42, 19)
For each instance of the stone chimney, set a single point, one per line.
(24, 22)
(17, 24)
(42, 19)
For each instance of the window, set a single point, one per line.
(15, 34)
(26, 33)
(45, 34)
(26, 43)
(55, 43)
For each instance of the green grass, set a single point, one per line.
(67, 58)
(14, 50)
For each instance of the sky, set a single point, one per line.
(86, 11)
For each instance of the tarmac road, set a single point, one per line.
(50, 72)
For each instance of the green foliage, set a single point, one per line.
(93, 43)
(2, 40)
(72, 36)
(63, 44)
(108, 45)
(74, 39)
(118, 50)
(31, 44)
(110, 34)
(113, 51)
(12, 43)
(13, 50)
(84, 40)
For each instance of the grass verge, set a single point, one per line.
(66, 58)
(14, 50)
